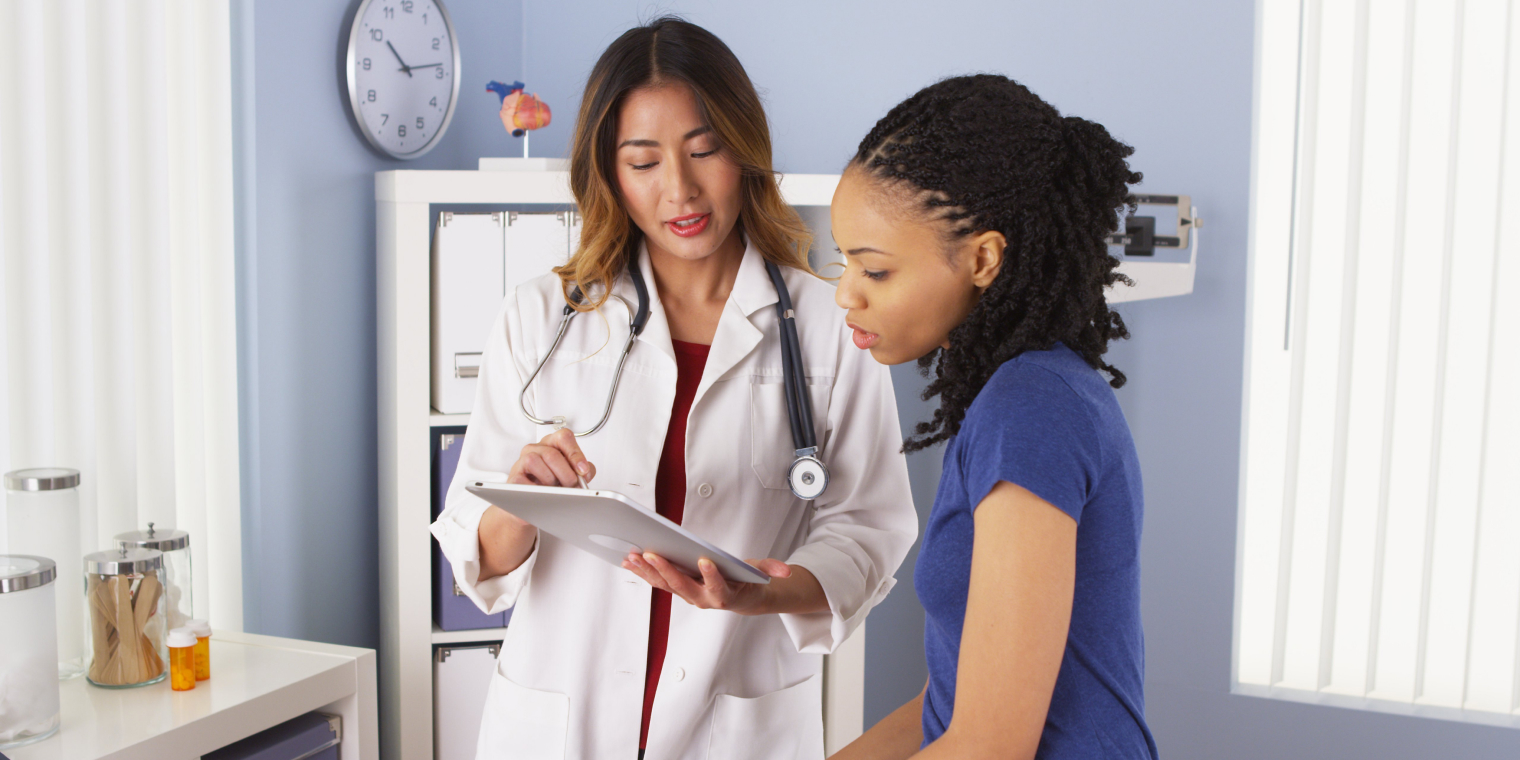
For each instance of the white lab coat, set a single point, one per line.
(569, 681)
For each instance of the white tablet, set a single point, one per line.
(608, 525)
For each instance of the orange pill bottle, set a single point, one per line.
(202, 631)
(182, 659)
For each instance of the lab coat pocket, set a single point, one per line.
(782, 725)
(770, 431)
(522, 723)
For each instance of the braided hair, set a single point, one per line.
(983, 153)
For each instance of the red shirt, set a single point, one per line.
(670, 502)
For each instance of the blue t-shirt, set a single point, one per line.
(1048, 422)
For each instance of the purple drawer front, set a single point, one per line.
(452, 611)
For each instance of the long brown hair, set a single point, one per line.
(670, 50)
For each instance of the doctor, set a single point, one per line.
(670, 168)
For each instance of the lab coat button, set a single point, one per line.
(705, 489)
(679, 674)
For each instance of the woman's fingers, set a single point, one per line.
(678, 582)
(549, 466)
(556, 460)
(712, 580)
(535, 469)
(775, 568)
(564, 441)
(636, 565)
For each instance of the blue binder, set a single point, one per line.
(452, 611)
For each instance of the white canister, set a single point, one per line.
(175, 544)
(28, 650)
(42, 519)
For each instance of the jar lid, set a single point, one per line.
(19, 572)
(42, 479)
(181, 637)
(123, 561)
(162, 540)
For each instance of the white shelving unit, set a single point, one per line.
(404, 223)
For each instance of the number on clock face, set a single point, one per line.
(403, 72)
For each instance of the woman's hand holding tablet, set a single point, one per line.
(557, 461)
(609, 525)
(713, 592)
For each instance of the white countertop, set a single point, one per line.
(256, 682)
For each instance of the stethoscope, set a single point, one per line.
(808, 476)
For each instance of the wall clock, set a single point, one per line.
(403, 74)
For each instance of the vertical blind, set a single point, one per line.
(118, 348)
(1379, 552)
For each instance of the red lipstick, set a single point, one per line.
(690, 225)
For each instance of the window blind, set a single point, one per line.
(1379, 531)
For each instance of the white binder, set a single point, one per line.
(469, 273)
(477, 259)
(536, 243)
(461, 675)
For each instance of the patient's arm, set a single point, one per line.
(895, 737)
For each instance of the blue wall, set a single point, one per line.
(1174, 79)
(306, 214)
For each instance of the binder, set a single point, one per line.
(461, 676)
(538, 242)
(468, 282)
(477, 259)
(313, 736)
(452, 611)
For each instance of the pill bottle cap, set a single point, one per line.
(181, 637)
(201, 628)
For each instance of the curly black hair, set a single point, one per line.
(982, 153)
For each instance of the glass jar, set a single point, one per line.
(124, 593)
(175, 544)
(42, 520)
(28, 650)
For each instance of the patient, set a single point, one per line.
(973, 219)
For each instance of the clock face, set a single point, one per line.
(403, 68)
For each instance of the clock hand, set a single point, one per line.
(427, 65)
(404, 67)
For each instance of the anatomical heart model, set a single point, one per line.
(520, 111)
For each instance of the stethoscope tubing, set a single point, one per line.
(634, 328)
(799, 404)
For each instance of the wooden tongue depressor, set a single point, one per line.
(102, 626)
(143, 608)
(128, 653)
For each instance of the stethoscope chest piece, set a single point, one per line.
(808, 477)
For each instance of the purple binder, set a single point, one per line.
(312, 736)
(452, 611)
